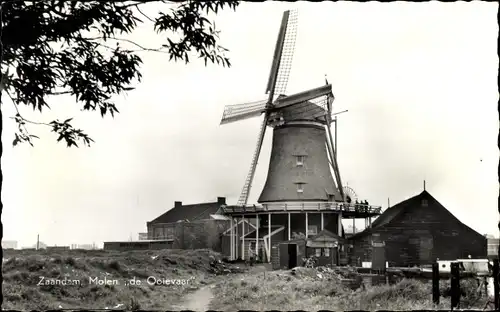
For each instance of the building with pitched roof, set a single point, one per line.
(195, 226)
(158, 227)
(417, 231)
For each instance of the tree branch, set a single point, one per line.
(149, 18)
(21, 117)
(129, 41)
(59, 92)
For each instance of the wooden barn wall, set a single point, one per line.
(422, 236)
(361, 250)
(191, 235)
(323, 260)
(276, 239)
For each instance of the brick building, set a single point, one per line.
(418, 231)
(163, 227)
(183, 226)
(194, 226)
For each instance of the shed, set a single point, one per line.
(418, 231)
(325, 247)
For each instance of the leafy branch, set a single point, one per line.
(52, 48)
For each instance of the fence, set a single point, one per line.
(455, 285)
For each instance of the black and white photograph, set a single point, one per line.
(237, 155)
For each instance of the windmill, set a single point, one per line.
(305, 116)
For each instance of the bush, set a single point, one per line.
(115, 265)
(134, 305)
(70, 261)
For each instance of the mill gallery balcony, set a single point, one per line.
(348, 210)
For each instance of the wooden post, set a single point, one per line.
(243, 237)
(340, 225)
(289, 227)
(322, 222)
(231, 239)
(307, 226)
(496, 283)
(435, 283)
(353, 225)
(455, 285)
(37, 241)
(269, 234)
(257, 223)
(237, 239)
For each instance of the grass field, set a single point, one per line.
(279, 290)
(188, 271)
(24, 288)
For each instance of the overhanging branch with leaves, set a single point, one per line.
(34, 69)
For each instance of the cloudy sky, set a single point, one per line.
(418, 79)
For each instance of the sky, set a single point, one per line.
(419, 81)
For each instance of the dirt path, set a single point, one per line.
(198, 300)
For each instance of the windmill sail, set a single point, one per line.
(238, 112)
(283, 55)
(278, 77)
(245, 192)
(303, 96)
(287, 52)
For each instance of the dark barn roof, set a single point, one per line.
(190, 212)
(412, 203)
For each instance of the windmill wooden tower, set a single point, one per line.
(300, 193)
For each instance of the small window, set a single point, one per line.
(424, 203)
(300, 161)
(300, 187)
(326, 251)
(312, 230)
(318, 252)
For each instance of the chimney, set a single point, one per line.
(177, 204)
(221, 200)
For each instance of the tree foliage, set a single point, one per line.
(57, 47)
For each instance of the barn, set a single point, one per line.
(415, 232)
(195, 226)
(191, 226)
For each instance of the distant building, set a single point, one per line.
(418, 231)
(57, 248)
(83, 246)
(6, 244)
(41, 245)
(493, 247)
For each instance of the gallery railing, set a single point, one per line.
(305, 206)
